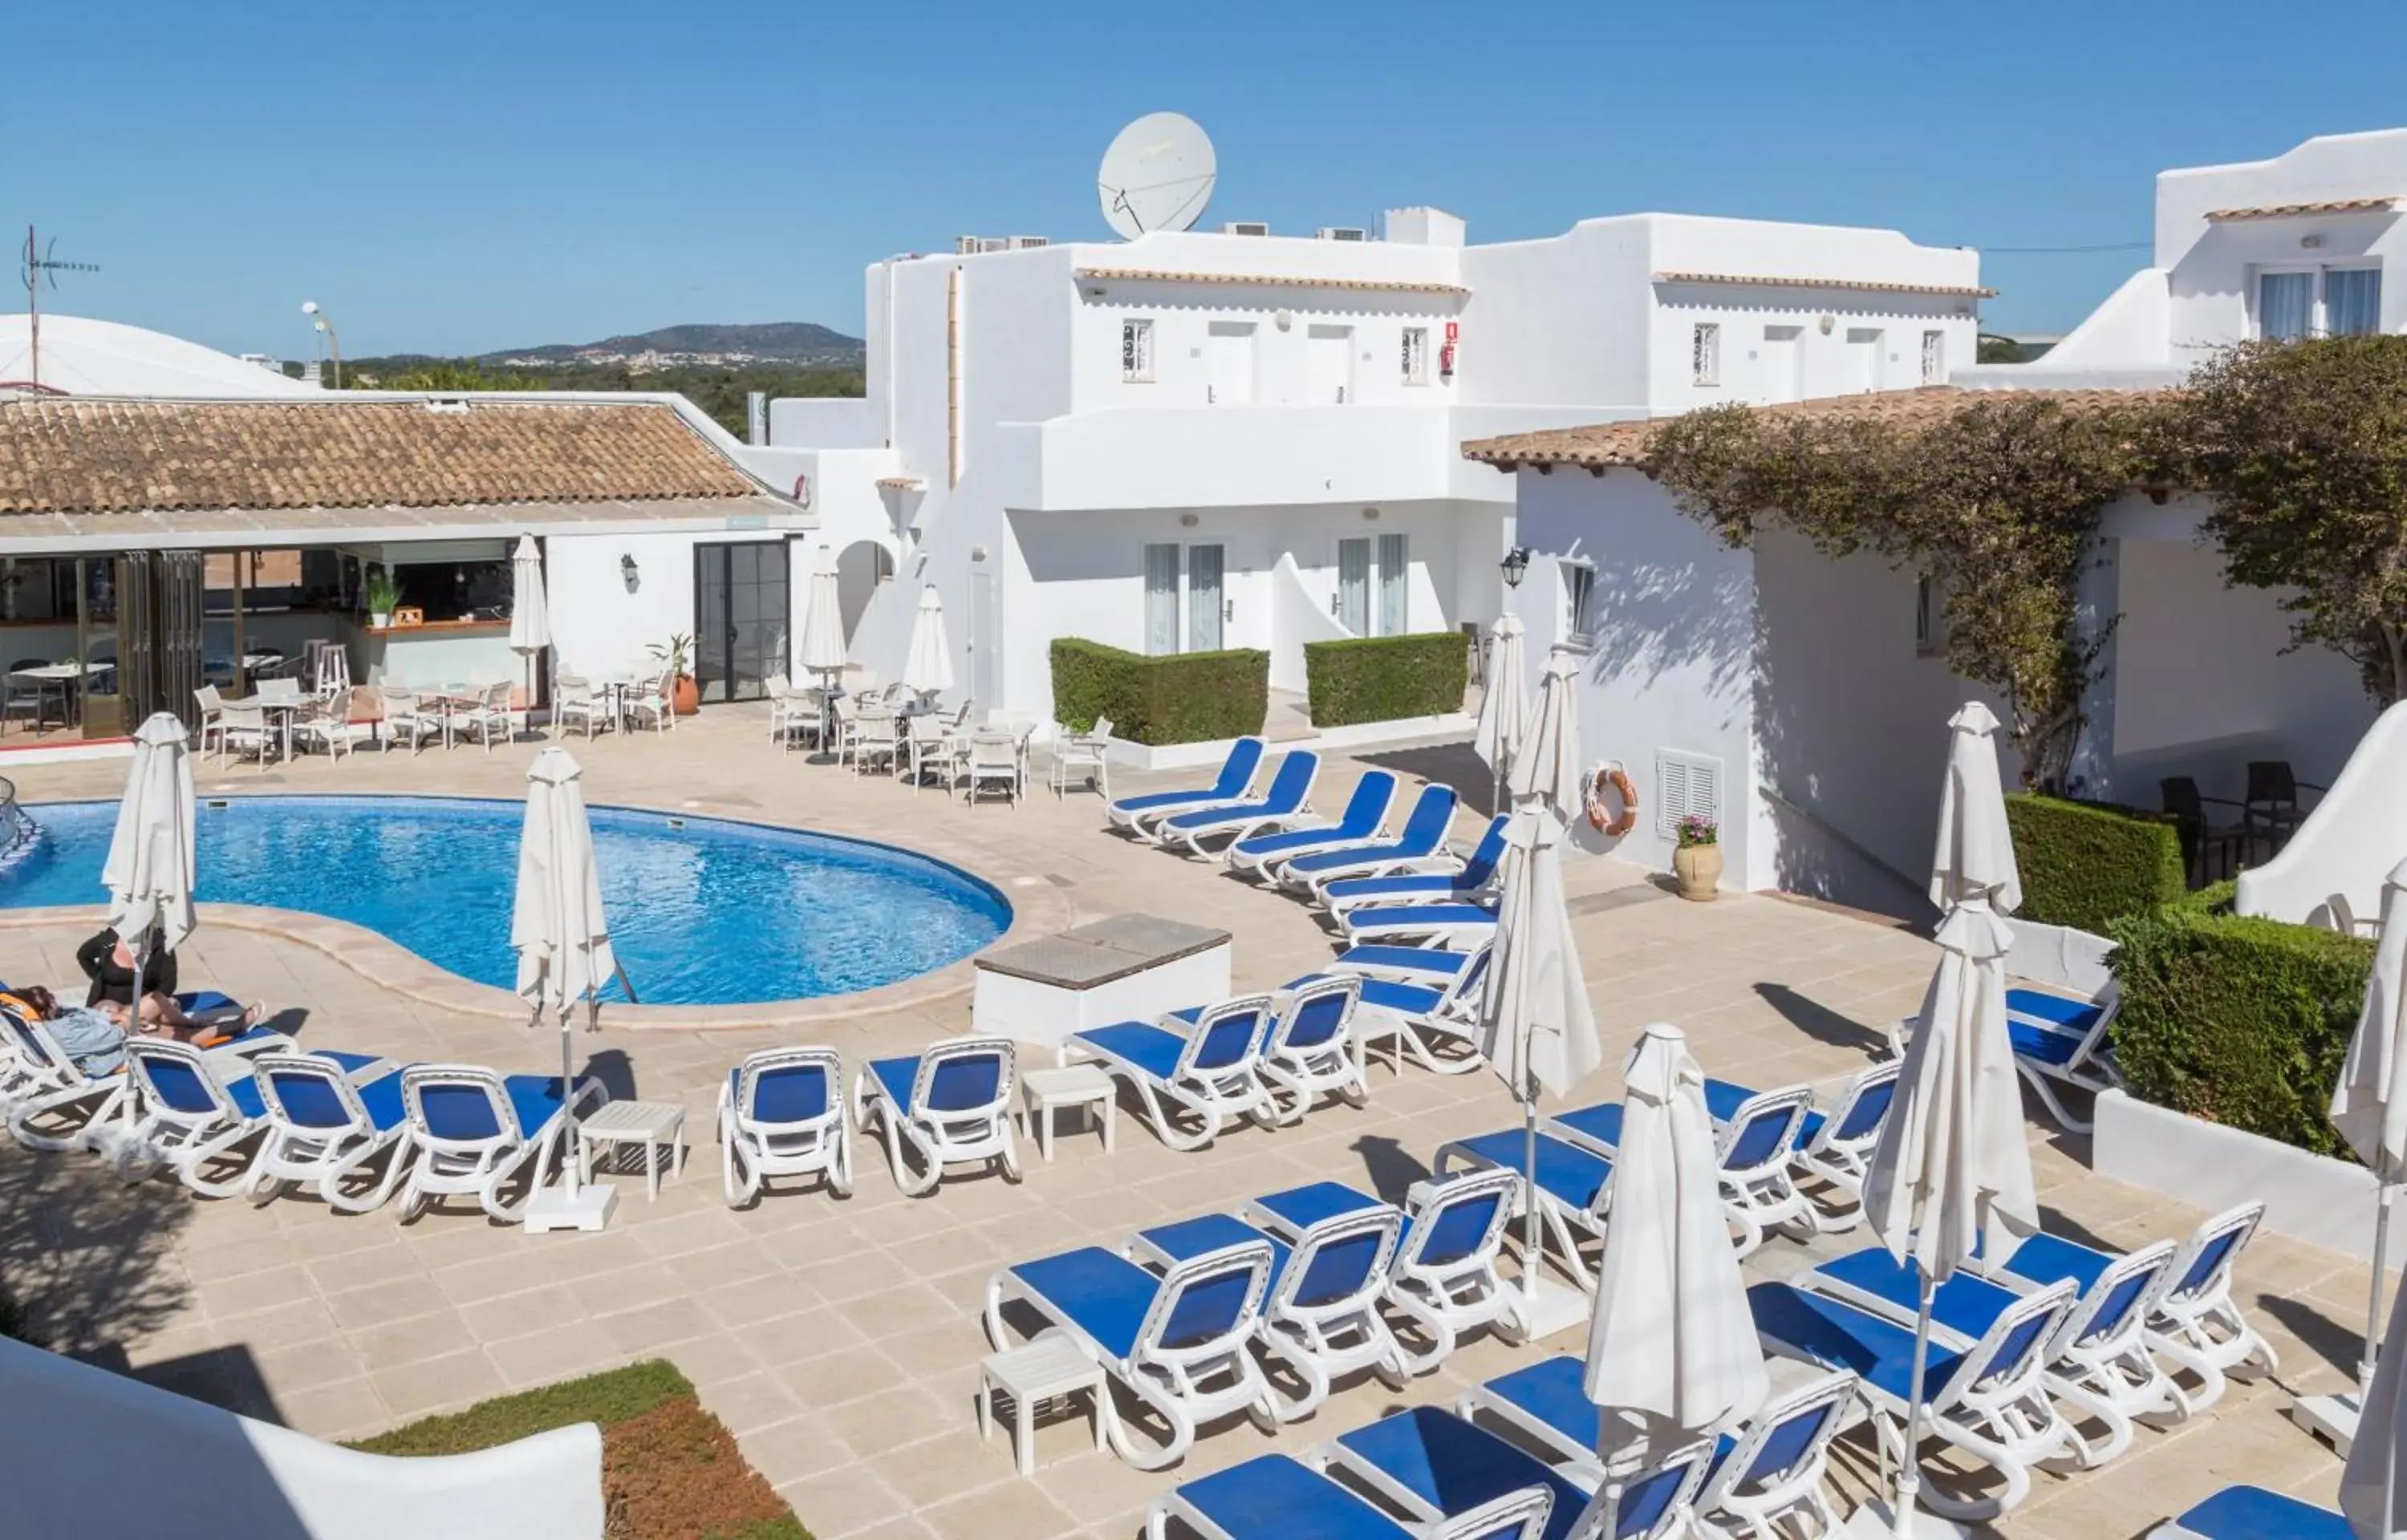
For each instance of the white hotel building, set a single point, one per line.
(1193, 441)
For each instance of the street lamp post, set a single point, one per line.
(334, 344)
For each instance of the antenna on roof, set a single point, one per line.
(1156, 174)
(39, 266)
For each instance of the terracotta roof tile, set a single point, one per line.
(1961, 291)
(1605, 445)
(124, 455)
(2288, 211)
(1272, 280)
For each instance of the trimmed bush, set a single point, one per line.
(2241, 1020)
(1382, 678)
(1179, 698)
(2088, 864)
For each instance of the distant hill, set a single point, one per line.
(797, 342)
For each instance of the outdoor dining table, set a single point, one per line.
(66, 677)
(280, 709)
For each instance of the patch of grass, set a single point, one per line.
(670, 1471)
(617, 1396)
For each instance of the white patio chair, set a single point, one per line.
(406, 716)
(326, 725)
(791, 711)
(212, 706)
(876, 738)
(648, 699)
(245, 731)
(933, 746)
(1086, 754)
(575, 704)
(282, 686)
(781, 1113)
(994, 758)
(489, 718)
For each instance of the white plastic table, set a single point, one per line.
(1041, 1091)
(650, 1123)
(1049, 1366)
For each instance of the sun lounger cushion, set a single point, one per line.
(1272, 1495)
(1306, 1206)
(1338, 1269)
(1405, 917)
(959, 1084)
(1455, 1467)
(2252, 1513)
(1103, 1292)
(1840, 1336)
(1404, 999)
(1419, 958)
(1601, 1122)
(1460, 1229)
(1965, 1303)
(1148, 1047)
(253, 1103)
(2048, 1259)
(1551, 1391)
(1565, 1172)
(459, 1112)
(2038, 1042)
(2075, 1016)
(1328, 860)
(1723, 1099)
(311, 1103)
(793, 1093)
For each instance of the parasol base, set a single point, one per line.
(587, 1208)
(2329, 1417)
(1558, 1308)
(1877, 1521)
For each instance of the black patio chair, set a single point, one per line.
(2271, 809)
(2202, 840)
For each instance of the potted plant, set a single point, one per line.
(1698, 860)
(380, 593)
(678, 653)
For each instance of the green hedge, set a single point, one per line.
(2241, 1020)
(1382, 678)
(1179, 698)
(2088, 864)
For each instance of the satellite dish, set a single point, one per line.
(1156, 176)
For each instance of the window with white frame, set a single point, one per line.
(1579, 602)
(1705, 354)
(2318, 302)
(1934, 358)
(1929, 617)
(1136, 351)
(1415, 355)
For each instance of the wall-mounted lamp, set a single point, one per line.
(2311, 242)
(1826, 323)
(1283, 319)
(1371, 515)
(1516, 564)
(627, 571)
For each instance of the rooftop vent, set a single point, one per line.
(1245, 227)
(1344, 233)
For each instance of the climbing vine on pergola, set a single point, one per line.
(1997, 500)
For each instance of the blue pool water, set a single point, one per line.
(711, 912)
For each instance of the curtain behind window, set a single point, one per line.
(2353, 301)
(2286, 304)
(1160, 599)
(1395, 577)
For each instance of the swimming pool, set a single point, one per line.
(703, 910)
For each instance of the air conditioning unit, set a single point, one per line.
(966, 245)
(1026, 242)
(1245, 227)
(1344, 233)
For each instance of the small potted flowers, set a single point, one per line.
(1697, 861)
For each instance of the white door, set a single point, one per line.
(1863, 358)
(1233, 363)
(1778, 375)
(1354, 586)
(1329, 356)
(1207, 598)
(1160, 599)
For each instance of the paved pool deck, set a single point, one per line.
(839, 1339)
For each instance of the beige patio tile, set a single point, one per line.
(425, 1386)
(756, 1401)
(379, 1305)
(653, 1327)
(833, 1380)
(558, 1352)
(412, 1341)
(837, 1504)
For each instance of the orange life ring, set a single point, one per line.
(1618, 779)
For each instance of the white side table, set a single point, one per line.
(649, 1124)
(1049, 1366)
(1041, 1091)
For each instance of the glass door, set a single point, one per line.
(1395, 584)
(1160, 599)
(740, 608)
(1206, 597)
(1354, 586)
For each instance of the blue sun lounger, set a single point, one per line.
(1771, 1471)
(1988, 1400)
(1287, 802)
(1574, 1187)
(1412, 965)
(1176, 1342)
(1476, 877)
(1278, 1497)
(325, 1122)
(1444, 925)
(1834, 1147)
(1236, 778)
(1440, 1466)
(2252, 1513)
(191, 1116)
(1211, 1070)
(1321, 1313)
(1757, 1141)
(949, 1105)
(1366, 812)
(1418, 846)
(1421, 1018)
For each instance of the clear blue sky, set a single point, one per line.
(453, 177)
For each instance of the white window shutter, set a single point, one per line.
(1686, 783)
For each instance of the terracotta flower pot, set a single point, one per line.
(687, 698)
(1699, 868)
